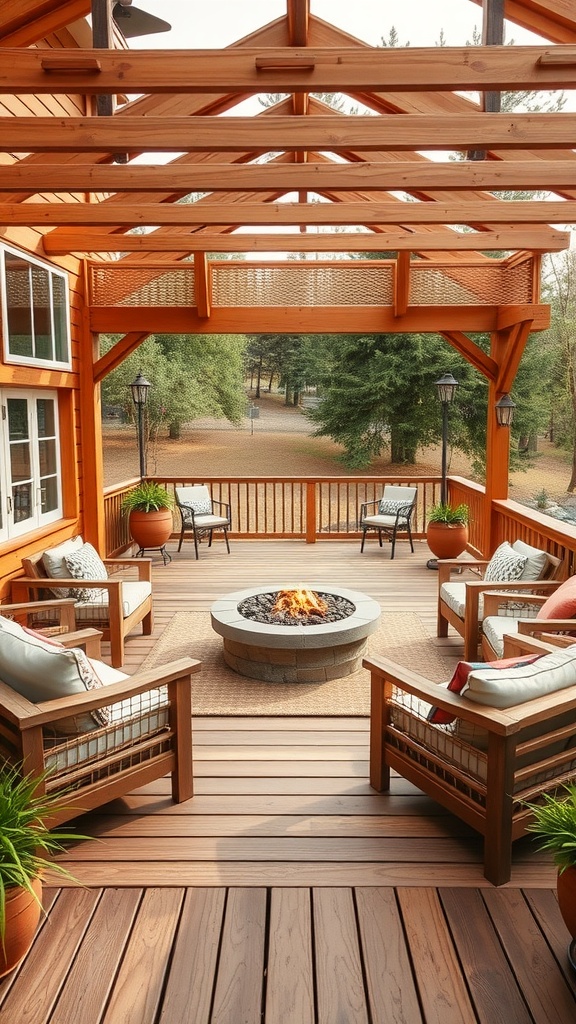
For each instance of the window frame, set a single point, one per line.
(16, 359)
(9, 527)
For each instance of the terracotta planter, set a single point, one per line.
(446, 540)
(22, 916)
(566, 887)
(151, 529)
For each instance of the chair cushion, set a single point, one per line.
(197, 498)
(210, 522)
(536, 563)
(562, 603)
(42, 670)
(86, 564)
(134, 593)
(454, 595)
(505, 565)
(54, 564)
(511, 686)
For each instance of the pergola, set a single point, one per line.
(69, 172)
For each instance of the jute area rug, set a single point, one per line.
(217, 690)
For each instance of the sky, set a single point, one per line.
(198, 24)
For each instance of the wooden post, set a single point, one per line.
(310, 512)
(497, 448)
(93, 522)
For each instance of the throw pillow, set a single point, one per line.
(41, 670)
(55, 566)
(505, 565)
(562, 603)
(537, 560)
(86, 564)
(548, 674)
(459, 681)
(201, 508)
(391, 508)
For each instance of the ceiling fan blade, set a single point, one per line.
(133, 22)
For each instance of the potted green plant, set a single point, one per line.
(447, 530)
(149, 508)
(554, 824)
(24, 839)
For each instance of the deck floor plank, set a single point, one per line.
(287, 891)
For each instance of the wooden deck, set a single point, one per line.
(316, 900)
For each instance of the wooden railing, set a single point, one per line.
(329, 507)
(282, 507)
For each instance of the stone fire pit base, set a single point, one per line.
(295, 654)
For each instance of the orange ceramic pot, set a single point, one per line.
(566, 888)
(446, 540)
(22, 916)
(151, 529)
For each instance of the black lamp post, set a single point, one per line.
(139, 388)
(446, 391)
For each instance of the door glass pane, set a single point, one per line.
(18, 419)
(19, 306)
(22, 502)
(49, 494)
(42, 315)
(45, 410)
(61, 353)
(47, 456)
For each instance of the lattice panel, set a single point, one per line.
(299, 284)
(302, 285)
(116, 285)
(492, 285)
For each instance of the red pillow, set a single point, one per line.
(562, 603)
(40, 636)
(463, 669)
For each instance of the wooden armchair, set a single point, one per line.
(148, 733)
(461, 603)
(522, 618)
(486, 764)
(123, 601)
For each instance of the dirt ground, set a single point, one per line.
(279, 443)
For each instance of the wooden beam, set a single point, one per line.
(118, 353)
(395, 133)
(23, 22)
(202, 284)
(402, 283)
(472, 353)
(178, 177)
(510, 316)
(291, 69)
(509, 363)
(296, 319)
(87, 241)
(274, 214)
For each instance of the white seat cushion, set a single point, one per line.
(379, 520)
(133, 594)
(454, 595)
(209, 522)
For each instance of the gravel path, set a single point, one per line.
(279, 443)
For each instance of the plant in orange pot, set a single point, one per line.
(447, 530)
(149, 508)
(555, 825)
(24, 839)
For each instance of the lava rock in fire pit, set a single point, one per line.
(260, 609)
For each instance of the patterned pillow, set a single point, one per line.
(390, 508)
(505, 565)
(86, 564)
(201, 508)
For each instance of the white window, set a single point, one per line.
(30, 480)
(35, 311)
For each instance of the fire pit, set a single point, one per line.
(326, 640)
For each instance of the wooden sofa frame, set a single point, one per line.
(469, 627)
(24, 726)
(495, 807)
(35, 580)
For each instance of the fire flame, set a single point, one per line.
(299, 603)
